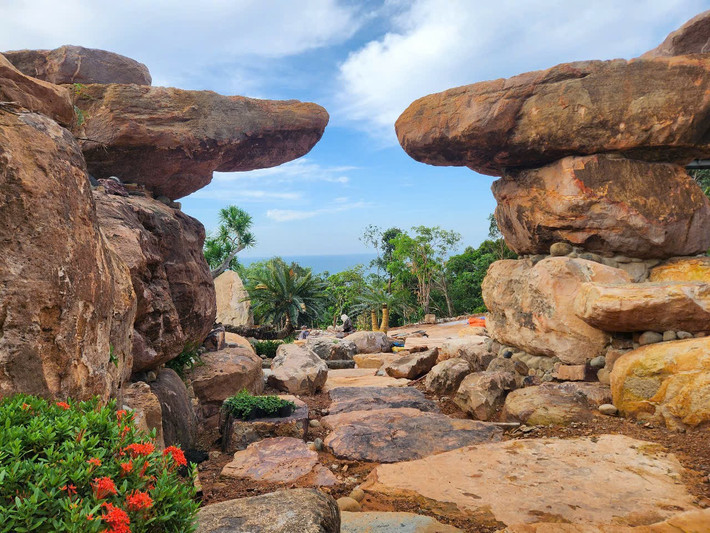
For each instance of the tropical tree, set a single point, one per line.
(285, 296)
(232, 236)
(376, 296)
(343, 289)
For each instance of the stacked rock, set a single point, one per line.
(595, 199)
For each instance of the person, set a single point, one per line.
(347, 324)
(303, 334)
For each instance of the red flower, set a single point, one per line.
(26, 406)
(137, 449)
(63, 405)
(125, 430)
(145, 467)
(126, 468)
(94, 461)
(177, 454)
(89, 516)
(117, 518)
(71, 489)
(103, 486)
(138, 500)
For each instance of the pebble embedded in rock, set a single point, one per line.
(598, 362)
(357, 494)
(669, 336)
(650, 337)
(348, 504)
(559, 249)
(608, 409)
(314, 423)
(318, 444)
(684, 335)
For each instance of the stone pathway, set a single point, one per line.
(377, 522)
(345, 399)
(360, 377)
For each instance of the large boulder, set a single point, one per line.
(297, 370)
(147, 413)
(332, 349)
(413, 365)
(693, 37)
(682, 269)
(445, 377)
(660, 306)
(482, 394)
(76, 64)
(472, 348)
(284, 511)
(668, 382)
(609, 479)
(163, 249)
(233, 305)
(179, 420)
(66, 302)
(35, 95)
(532, 306)
(647, 109)
(171, 140)
(346, 399)
(605, 204)
(370, 341)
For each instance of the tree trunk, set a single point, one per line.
(225, 264)
(287, 329)
(385, 319)
(373, 319)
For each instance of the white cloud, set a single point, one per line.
(245, 195)
(437, 44)
(175, 38)
(288, 215)
(294, 172)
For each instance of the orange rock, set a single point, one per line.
(693, 37)
(682, 269)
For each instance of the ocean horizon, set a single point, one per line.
(319, 263)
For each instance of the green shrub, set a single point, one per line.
(247, 407)
(267, 348)
(188, 358)
(81, 467)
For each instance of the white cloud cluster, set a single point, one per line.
(437, 44)
(288, 215)
(294, 172)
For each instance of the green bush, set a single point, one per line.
(188, 358)
(247, 407)
(81, 467)
(267, 348)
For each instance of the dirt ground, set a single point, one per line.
(692, 449)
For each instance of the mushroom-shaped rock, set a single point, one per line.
(605, 204)
(693, 37)
(297, 370)
(76, 64)
(648, 109)
(35, 95)
(163, 249)
(171, 140)
(66, 301)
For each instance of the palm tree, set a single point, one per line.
(375, 296)
(285, 295)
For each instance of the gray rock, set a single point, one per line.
(446, 377)
(608, 409)
(598, 362)
(650, 337)
(560, 249)
(482, 394)
(284, 511)
(318, 444)
(332, 349)
(179, 421)
(684, 335)
(344, 399)
(591, 257)
(669, 336)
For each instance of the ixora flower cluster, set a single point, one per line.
(83, 467)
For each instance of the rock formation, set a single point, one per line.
(594, 197)
(171, 140)
(76, 64)
(233, 306)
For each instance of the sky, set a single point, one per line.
(365, 62)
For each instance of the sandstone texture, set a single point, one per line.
(233, 305)
(661, 306)
(35, 95)
(693, 37)
(668, 381)
(76, 64)
(345, 399)
(612, 480)
(393, 435)
(284, 511)
(481, 395)
(471, 348)
(536, 118)
(381, 522)
(163, 249)
(332, 349)
(555, 404)
(360, 377)
(179, 421)
(278, 460)
(297, 370)
(682, 269)
(532, 306)
(413, 365)
(370, 341)
(604, 204)
(147, 413)
(65, 298)
(171, 140)
(445, 378)
(373, 360)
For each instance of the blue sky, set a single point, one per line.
(364, 62)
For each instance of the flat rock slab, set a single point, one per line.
(279, 460)
(241, 433)
(611, 479)
(360, 377)
(373, 360)
(284, 511)
(379, 522)
(394, 435)
(344, 399)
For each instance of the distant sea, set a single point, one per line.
(320, 263)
